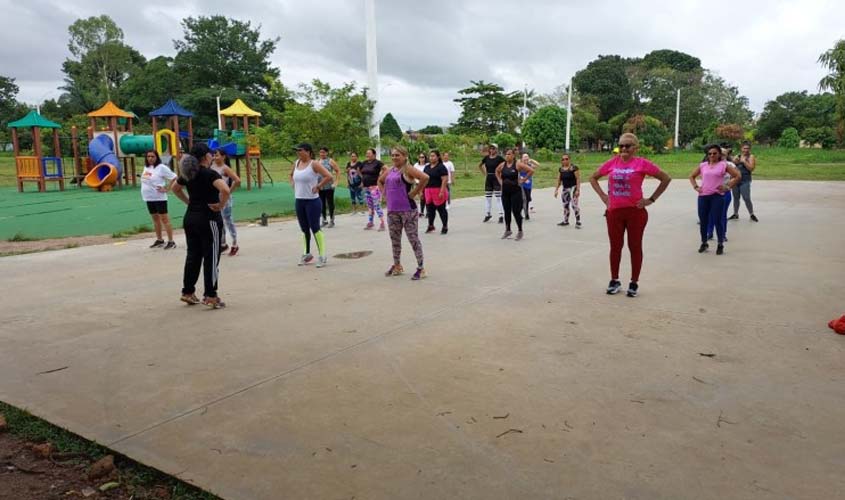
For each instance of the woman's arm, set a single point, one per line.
(735, 178)
(381, 180)
(292, 168)
(525, 167)
(594, 181)
(325, 175)
(236, 181)
(751, 164)
(422, 177)
(499, 172)
(444, 186)
(179, 191)
(693, 176)
(664, 179)
(336, 171)
(577, 192)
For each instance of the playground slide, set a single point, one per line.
(107, 166)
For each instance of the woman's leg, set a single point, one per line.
(302, 219)
(616, 235)
(566, 199)
(229, 221)
(507, 201)
(168, 227)
(745, 191)
(394, 228)
(410, 222)
(323, 205)
(377, 203)
(371, 206)
(516, 206)
(444, 215)
(193, 256)
(724, 220)
(736, 195)
(313, 209)
(211, 257)
(635, 226)
(577, 209)
(703, 216)
(157, 225)
(330, 201)
(717, 208)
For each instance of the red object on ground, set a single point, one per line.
(838, 325)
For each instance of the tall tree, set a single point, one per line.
(390, 128)
(221, 52)
(546, 128)
(487, 109)
(834, 61)
(606, 79)
(10, 108)
(151, 86)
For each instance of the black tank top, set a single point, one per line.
(510, 176)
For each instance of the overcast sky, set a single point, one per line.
(430, 49)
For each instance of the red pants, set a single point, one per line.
(633, 220)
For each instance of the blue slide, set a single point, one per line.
(107, 166)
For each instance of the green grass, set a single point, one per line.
(31, 428)
(19, 236)
(140, 228)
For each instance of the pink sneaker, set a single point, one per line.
(381, 226)
(369, 225)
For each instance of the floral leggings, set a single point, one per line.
(408, 220)
(373, 199)
(567, 199)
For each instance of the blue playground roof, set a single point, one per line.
(172, 108)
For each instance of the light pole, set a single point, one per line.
(677, 118)
(568, 113)
(219, 118)
(524, 112)
(372, 69)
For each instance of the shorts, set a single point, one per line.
(492, 183)
(357, 195)
(157, 207)
(433, 196)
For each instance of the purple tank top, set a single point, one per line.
(396, 191)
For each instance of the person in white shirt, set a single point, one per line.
(451, 168)
(156, 180)
(420, 165)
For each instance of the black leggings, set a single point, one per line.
(441, 209)
(203, 235)
(512, 203)
(327, 198)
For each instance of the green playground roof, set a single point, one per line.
(33, 119)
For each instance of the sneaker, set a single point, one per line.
(157, 243)
(703, 248)
(720, 249)
(444, 230)
(331, 223)
(506, 235)
(430, 229)
(381, 226)
(223, 247)
(418, 274)
(518, 236)
(501, 220)
(563, 223)
(369, 225)
(189, 299)
(734, 217)
(754, 218)
(613, 287)
(213, 302)
(578, 225)
(324, 223)
(487, 217)
(170, 245)
(233, 251)
(305, 259)
(632, 289)
(395, 270)
(322, 261)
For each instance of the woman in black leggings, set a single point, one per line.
(207, 194)
(508, 176)
(436, 193)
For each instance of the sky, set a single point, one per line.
(428, 50)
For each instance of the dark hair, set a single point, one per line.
(199, 150)
(190, 166)
(746, 143)
(373, 151)
(158, 158)
(225, 156)
(512, 151)
(324, 149)
(711, 147)
(436, 153)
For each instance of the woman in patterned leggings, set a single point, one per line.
(570, 179)
(400, 187)
(370, 171)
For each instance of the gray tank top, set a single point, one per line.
(304, 181)
(328, 166)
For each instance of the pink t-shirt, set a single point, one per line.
(712, 177)
(625, 184)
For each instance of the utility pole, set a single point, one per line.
(524, 113)
(677, 117)
(219, 118)
(568, 113)
(372, 69)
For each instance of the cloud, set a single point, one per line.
(428, 50)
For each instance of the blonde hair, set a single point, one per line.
(404, 152)
(631, 137)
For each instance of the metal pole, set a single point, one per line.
(219, 118)
(372, 69)
(677, 117)
(568, 113)
(524, 112)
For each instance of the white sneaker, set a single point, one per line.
(305, 259)
(321, 261)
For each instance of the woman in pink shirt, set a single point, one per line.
(711, 194)
(626, 206)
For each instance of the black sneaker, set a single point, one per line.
(501, 220)
(564, 223)
(720, 249)
(444, 230)
(487, 217)
(170, 245)
(703, 248)
(578, 225)
(754, 218)
(734, 217)
(613, 287)
(157, 243)
(633, 287)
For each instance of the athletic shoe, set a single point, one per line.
(613, 287)
(578, 225)
(170, 245)
(157, 243)
(720, 249)
(324, 223)
(444, 230)
(501, 220)
(305, 259)
(430, 229)
(369, 225)
(233, 251)
(331, 223)
(506, 235)
(322, 261)
(487, 217)
(734, 217)
(754, 218)
(703, 248)
(632, 289)
(518, 236)
(381, 226)
(213, 302)
(418, 274)
(394, 270)
(223, 247)
(562, 223)
(190, 299)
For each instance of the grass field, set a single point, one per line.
(80, 212)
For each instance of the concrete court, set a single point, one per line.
(339, 383)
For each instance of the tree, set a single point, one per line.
(590, 129)
(546, 128)
(789, 138)
(488, 109)
(431, 130)
(221, 52)
(389, 127)
(823, 136)
(649, 130)
(798, 110)
(834, 61)
(151, 86)
(731, 132)
(606, 78)
(504, 140)
(10, 108)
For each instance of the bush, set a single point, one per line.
(789, 138)
(544, 154)
(504, 140)
(649, 130)
(823, 136)
(730, 132)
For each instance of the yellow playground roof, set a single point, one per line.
(238, 108)
(109, 110)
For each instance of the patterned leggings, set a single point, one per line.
(408, 220)
(373, 199)
(567, 199)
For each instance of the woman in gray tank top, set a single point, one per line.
(745, 163)
(307, 177)
(327, 191)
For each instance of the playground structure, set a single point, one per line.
(239, 144)
(167, 141)
(37, 168)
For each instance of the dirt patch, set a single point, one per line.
(21, 247)
(353, 255)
